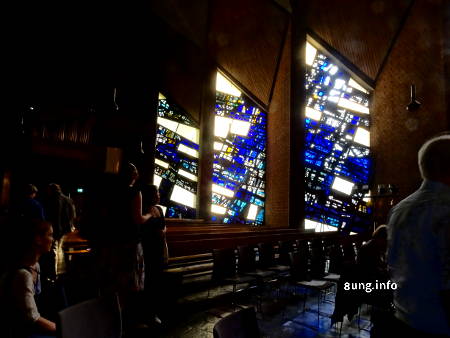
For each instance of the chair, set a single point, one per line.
(247, 264)
(318, 259)
(284, 248)
(304, 250)
(299, 274)
(239, 324)
(100, 317)
(267, 262)
(267, 259)
(336, 255)
(349, 253)
(224, 269)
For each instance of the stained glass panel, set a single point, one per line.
(176, 159)
(238, 189)
(337, 155)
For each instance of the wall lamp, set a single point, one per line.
(414, 104)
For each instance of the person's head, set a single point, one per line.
(36, 236)
(129, 173)
(434, 158)
(150, 195)
(53, 189)
(379, 236)
(30, 190)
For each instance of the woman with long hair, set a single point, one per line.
(21, 283)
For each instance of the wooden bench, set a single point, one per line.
(186, 270)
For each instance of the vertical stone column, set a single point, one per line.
(206, 143)
(298, 100)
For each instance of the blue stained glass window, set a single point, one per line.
(337, 145)
(238, 189)
(176, 159)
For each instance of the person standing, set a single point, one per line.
(418, 254)
(118, 247)
(60, 212)
(155, 249)
(29, 207)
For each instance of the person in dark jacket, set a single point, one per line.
(29, 207)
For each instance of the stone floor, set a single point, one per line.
(279, 315)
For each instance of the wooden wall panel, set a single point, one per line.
(277, 176)
(361, 31)
(182, 72)
(246, 39)
(396, 133)
(186, 17)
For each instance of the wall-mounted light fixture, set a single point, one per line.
(414, 104)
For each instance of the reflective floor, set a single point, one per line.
(279, 315)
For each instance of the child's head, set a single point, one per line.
(150, 195)
(35, 237)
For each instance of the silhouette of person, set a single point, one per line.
(418, 247)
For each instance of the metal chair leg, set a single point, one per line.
(318, 310)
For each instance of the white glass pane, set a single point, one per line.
(252, 212)
(187, 150)
(318, 227)
(188, 132)
(362, 136)
(339, 83)
(313, 114)
(161, 163)
(310, 54)
(333, 99)
(347, 104)
(217, 209)
(342, 185)
(183, 196)
(169, 124)
(188, 175)
(333, 70)
(225, 86)
(222, 126)
(310, 224)
(354, 84)
(222, 191)
(157, 180)
(240, 127)
(218, 146)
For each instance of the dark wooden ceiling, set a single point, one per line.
(361, 31)
(246, 37)
(189, 18)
